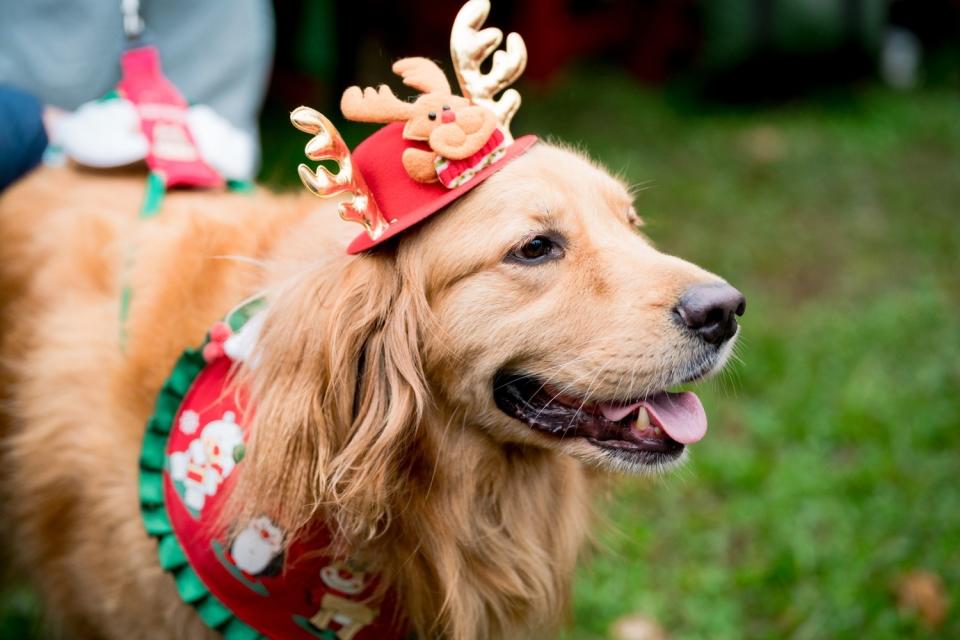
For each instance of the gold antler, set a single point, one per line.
(327, 144)
(470, 46)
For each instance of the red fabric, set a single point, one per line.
(172, 151)
(400, 197)
(279, 603)
(454, 168)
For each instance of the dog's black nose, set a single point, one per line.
(711, 311)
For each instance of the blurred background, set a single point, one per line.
(809, 152)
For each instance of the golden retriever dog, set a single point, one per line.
(448, 404)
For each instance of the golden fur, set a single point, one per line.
(373, 394)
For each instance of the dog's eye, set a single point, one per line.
(536, 250)
(432, 115)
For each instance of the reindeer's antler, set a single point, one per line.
(327, 144)
(470, 46)
(374, 105)
(422, 74)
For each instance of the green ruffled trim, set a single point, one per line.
(172, 557)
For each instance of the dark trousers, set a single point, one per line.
(22, 136)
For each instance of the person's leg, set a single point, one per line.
(217, 52)
(22, 134)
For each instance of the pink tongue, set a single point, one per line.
(616, 413)
(681, 415)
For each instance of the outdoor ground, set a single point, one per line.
(827, 488)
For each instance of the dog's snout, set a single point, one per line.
(711, 310)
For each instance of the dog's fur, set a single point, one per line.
(373, 392)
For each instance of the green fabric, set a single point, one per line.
(113, 94)
(159, 421)
(167, 403)
(151, 487)
(152, 455)
(236, 630)
(182, 377)
(214, 613)
(126, 294)
(153, 196)
(155, 520)
(239, 316)
(190, 585)
(171, 553)
(241, 186)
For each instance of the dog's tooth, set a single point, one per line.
(643, 419)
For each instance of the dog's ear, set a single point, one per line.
(338, 394)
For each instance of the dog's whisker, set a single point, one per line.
(561, 392)
(558, 369)
(555, 369)
(587, 395)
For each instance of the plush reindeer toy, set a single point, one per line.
(461, 134)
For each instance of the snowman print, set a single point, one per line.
(258, 549)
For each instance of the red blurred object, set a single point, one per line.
(651, 38)
(172, 151)
(555, 33)
(648, 35)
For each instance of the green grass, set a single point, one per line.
(832, 463)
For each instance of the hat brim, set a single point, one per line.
(363, 242)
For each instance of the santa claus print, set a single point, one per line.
(207, 461)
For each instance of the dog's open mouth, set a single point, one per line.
(652, 429)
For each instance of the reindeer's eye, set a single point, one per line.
(536, 250)
(432, 115)
(446, 107)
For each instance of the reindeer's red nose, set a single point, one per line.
(447, 116)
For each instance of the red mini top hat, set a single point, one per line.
(432, 150)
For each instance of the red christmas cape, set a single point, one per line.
(250, 585)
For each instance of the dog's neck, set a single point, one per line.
(492, 542)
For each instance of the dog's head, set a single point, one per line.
(467, 373)
(554, 323)
(532, 312)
